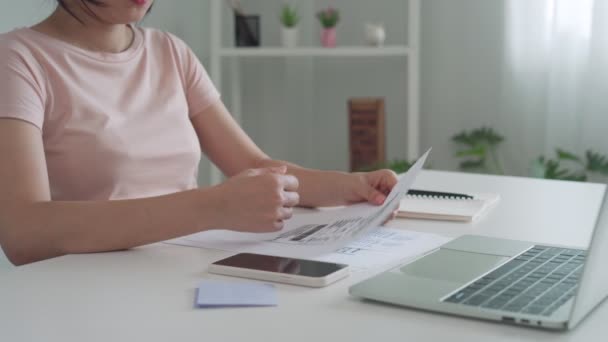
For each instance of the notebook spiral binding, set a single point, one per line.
(426, 194)
(440, 197)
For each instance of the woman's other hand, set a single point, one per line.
(257, 200)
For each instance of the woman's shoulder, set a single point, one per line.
(165, 44)
(16, 48)
(156, 37)
(14, 41)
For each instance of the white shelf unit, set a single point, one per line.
(410, 53)
(350, 51)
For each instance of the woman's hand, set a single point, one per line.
(257, 200)
(372, 187)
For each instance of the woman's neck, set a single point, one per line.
(90, 34)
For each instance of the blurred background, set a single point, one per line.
(512, 87)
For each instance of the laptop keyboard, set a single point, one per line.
(536, 282)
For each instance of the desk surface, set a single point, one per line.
(147, 294)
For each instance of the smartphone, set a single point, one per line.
(279, 269)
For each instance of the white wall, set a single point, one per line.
(21, 13)
(188, 19)
(462, 48)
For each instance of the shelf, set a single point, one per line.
(406, 53)
(350, 51)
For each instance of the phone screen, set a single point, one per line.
(307, 268)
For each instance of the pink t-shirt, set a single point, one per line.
(114, 125)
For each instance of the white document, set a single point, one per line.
(377, 249)
(385, 247)
(312, 234)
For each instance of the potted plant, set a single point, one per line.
(481, 155)
(289, 19)
(329, 18)
(480, 150)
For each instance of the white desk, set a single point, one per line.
(147, 294)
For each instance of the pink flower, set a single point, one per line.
(329, 17)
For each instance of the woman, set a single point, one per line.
(101, 129)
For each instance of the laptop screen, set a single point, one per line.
(593, 285)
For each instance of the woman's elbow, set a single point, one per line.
(12, 253)
(19, 255)
(18, 248)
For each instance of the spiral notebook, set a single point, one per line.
(447, 208)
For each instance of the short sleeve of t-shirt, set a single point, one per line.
(199, 89)
(21, 92)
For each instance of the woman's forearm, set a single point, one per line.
(317, 188)
(37, 231)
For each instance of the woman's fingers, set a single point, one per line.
(290, 199)
(289, 182)
(285, 214)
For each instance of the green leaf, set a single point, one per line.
(478, 136)
(480, 143)
(597, 162)
(564, 155)
(463, 138)
(478, 151)
(487, 135)
(397, 165)
(577, 177)
(553, 170)
(470, 165)
(289, 16)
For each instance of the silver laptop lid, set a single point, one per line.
(593, 285)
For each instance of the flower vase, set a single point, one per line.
(328, 37)
(289, 37)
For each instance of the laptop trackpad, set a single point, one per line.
(453, 266)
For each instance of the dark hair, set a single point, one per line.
(86, 4)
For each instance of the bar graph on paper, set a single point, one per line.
(382, 247)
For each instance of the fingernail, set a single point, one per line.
(379, 199)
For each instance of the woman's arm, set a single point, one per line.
(33, 227)
(229, 147)
(331, 188)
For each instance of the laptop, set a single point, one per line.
(510, 281)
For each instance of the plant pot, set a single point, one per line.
(289, 37)
(328, 37)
